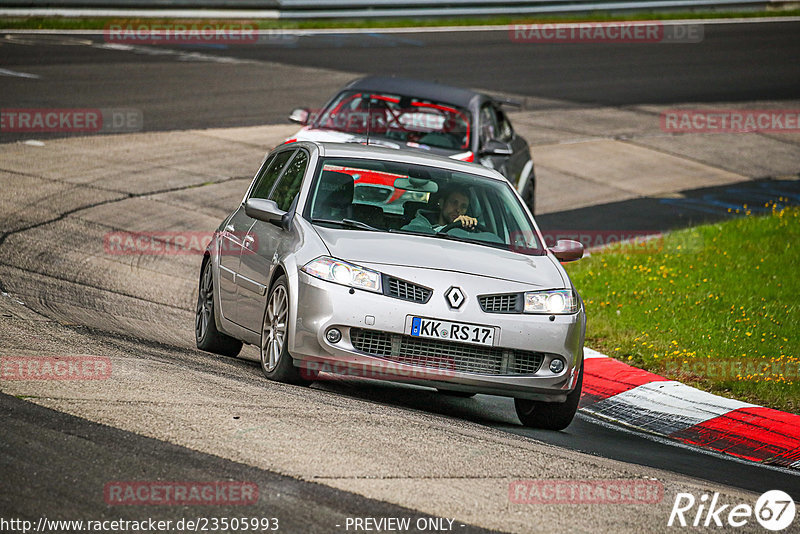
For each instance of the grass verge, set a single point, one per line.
(99, 23)
(715, 306)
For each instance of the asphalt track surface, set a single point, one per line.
(81, 455)
(733, 63)
(586, 434)
(742, 62)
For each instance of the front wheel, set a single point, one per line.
(276, 362)
(550, 415)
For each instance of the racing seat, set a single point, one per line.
(372, 215)
(334, 196)
(410, 209)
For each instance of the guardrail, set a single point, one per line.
(397, 8)
(413, 8)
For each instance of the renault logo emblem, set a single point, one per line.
(454, 297)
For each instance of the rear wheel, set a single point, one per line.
(207, 337)
(550, 415)
(276, 362)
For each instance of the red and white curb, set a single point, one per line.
(632, 397)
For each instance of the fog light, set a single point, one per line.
(556, 366)
(333, 335)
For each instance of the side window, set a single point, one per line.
(269, 174)
(292, 179)
(504, 130)
(488, 124)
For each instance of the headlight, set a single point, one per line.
(341, 272)
(556, 301)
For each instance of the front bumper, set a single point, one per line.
(376, 343)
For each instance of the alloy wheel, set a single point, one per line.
(273, 336)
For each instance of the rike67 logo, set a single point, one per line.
(774, 510)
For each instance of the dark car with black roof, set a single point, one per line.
(419, 115)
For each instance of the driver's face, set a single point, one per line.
(454, 205)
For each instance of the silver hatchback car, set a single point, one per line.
(442, 280)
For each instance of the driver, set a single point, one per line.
(453, 208)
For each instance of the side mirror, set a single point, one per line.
(300, 116)
(567, 250)
(494, 147)
(267, 211)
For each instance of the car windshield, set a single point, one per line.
(388, 196)
(413, 121)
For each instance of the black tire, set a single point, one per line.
(454, 393)
(276, 362)
(206, 335)
(529, 193)
(550, 415)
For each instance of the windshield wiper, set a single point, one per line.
(501, 246)
(347, 223)
(445, 235)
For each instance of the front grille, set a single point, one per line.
(510, 303)
(401, 289)
(526, 362)
(447, 355)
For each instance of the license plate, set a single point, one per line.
(462, 332)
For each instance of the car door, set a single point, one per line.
(521, 153)
(265, 242)
(495, 126)
(230, 248)
(487, 131)
(234, 236)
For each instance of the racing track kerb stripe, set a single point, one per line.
(757, 433)
(604, 377)
(637, 398)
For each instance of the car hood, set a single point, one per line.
(376, 249)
